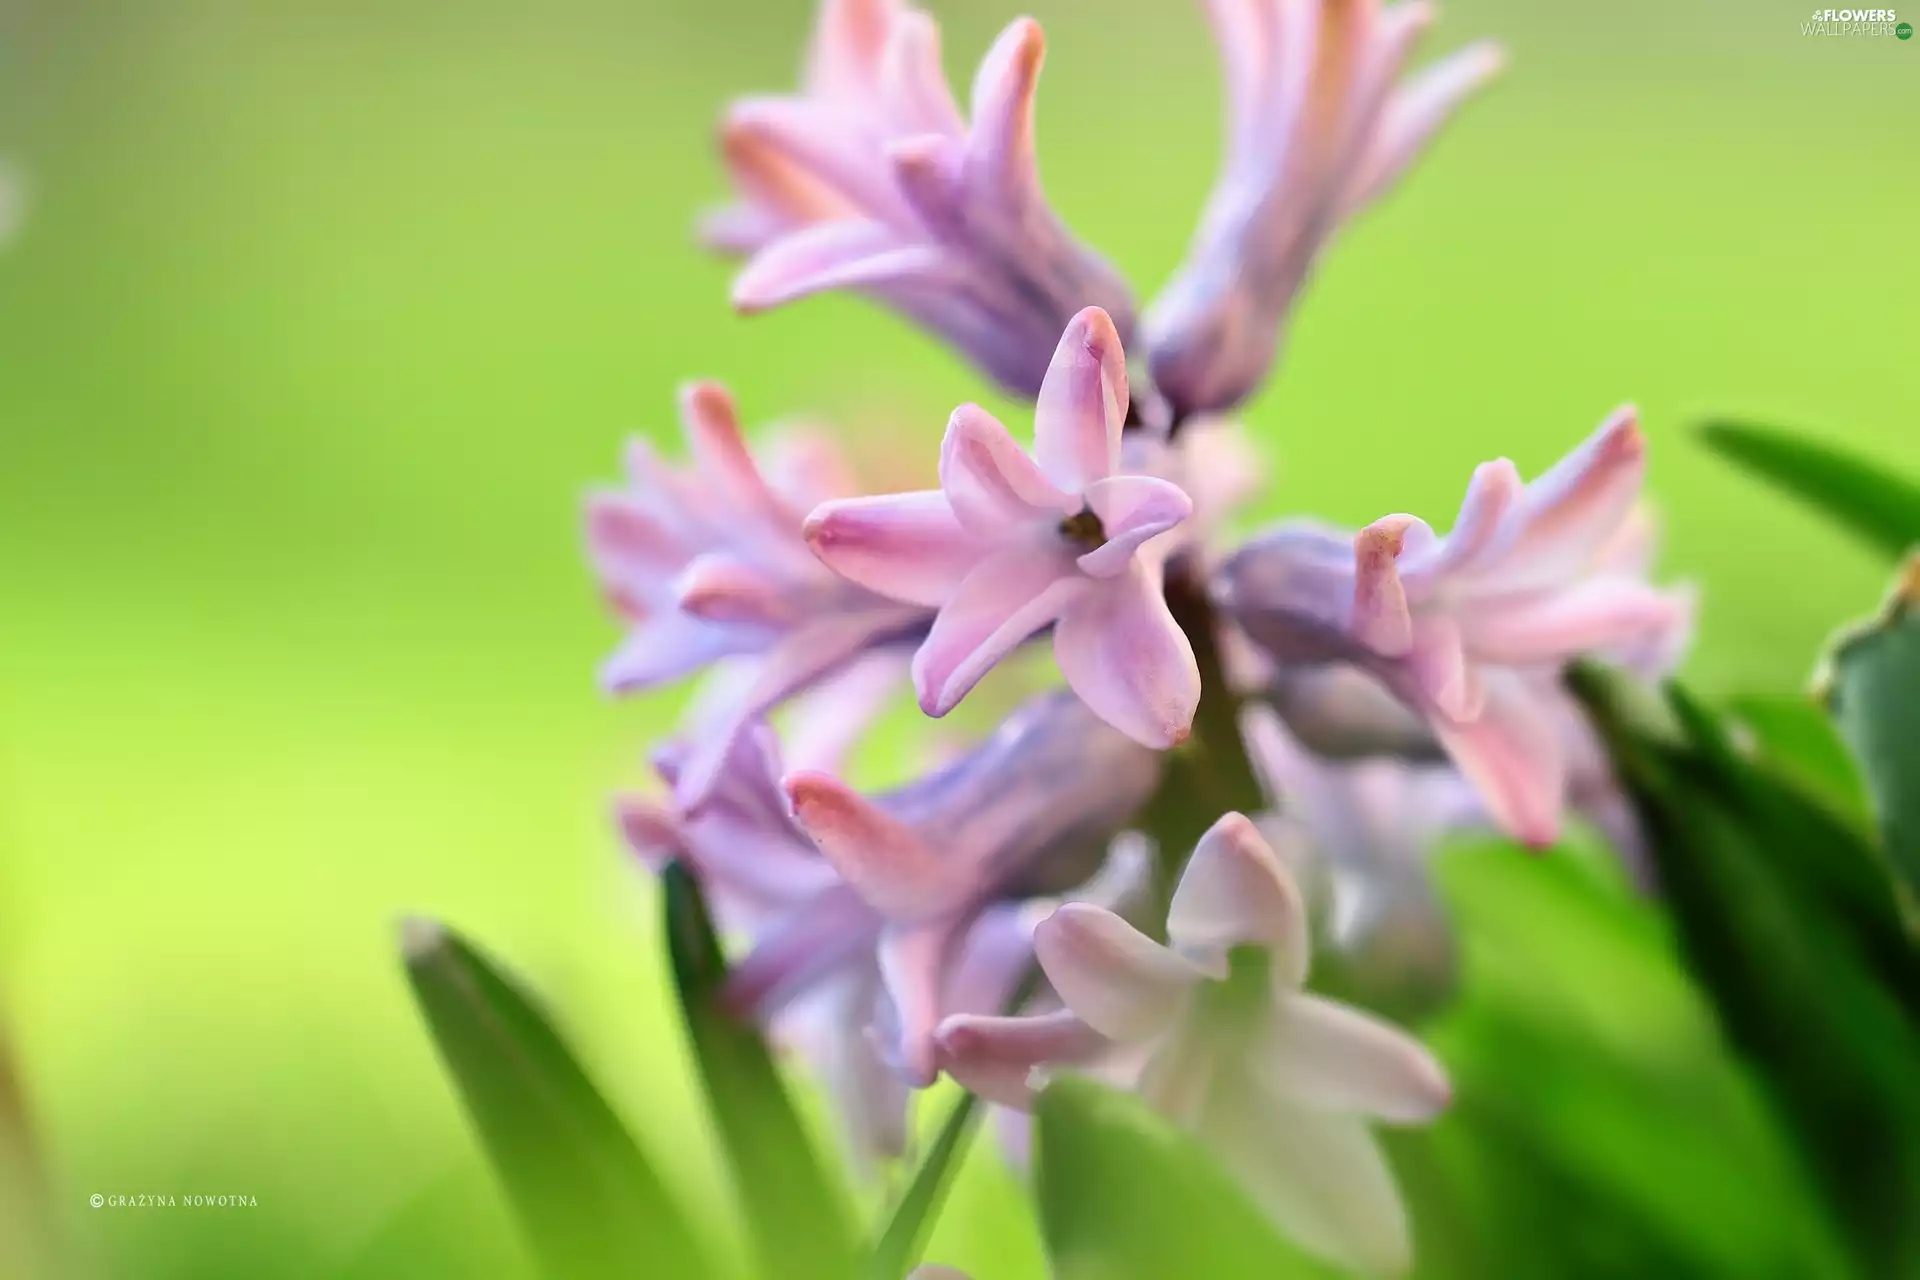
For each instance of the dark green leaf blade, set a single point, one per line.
(1873, 685)
(1776, 920)
(1126, 1196)
(1883, 510)
(905, 1235)
(588, 1200)
(795, 1215)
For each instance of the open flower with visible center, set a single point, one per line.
(707, 567)
(1279, 1083)
(1316, 128)
(1470, 630)
(1012, 543)
(871, 180)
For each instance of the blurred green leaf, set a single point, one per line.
(899, 1246)
(1881, 509)
(1774, 912)
(794, 1214)
(588, 1200)
(1873, 684)
(28, 1247)
(1795, 737)
(1126, 1196)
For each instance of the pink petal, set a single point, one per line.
(721, 587)
(914, 962)
(991, 481)
(848, 40)
(1512, 754)
(993, 1056)
(827, 722)
(1234, 892)
(907, 546)
(1008, 597)
(1415, 113)
(1335, 1058)
(789, 667)
(1495, 490)
(818, 139)
(629, 546)
(913, 81)
(1082, 404)
(1120, 650)
(1119, 981)
(1438, 661)
(666, 647)
(834, 929)
(1584, 617)
(1572, 512)
(1381, 619)
(1243, 30)
(1132, 510)
(832, 255)
(996, 954)
(651, 831)
(1001, 154)
(780, 193)
(886, 861)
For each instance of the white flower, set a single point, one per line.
(1279, 1083)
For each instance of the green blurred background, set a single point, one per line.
(325, 312)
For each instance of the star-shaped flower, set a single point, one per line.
(871, 180)
(706, 566)
(1471, 630)
(1316, 129)
(1011, 544)
(1279, 1083)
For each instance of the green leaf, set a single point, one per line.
(1795, 737)
(899, 1246)
(1873, 687)
(795, 1215)
(1786, 928)
(1883, 510)
(587, 1199)
(1126, 1196)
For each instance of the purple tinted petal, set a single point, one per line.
(833, 255)
(667, 647)
(833, 929)
(828, 722)
(1571, 513)
(720, 587)
(993, 1056)
(991, 482)
(1082, 405)
(1415, 113)
(1584, 617)
(890, 864)
(1512, 754)
(1008, 597)
(913, 80)
(907, 546)
(1001, 155)
(849, 38)
(1132, 510)
(914, 962)
(1495, 490)
(1120, 650)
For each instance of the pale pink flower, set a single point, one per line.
(1279, 1083)
(1471, 629)
(1316, 128)
(707, 567)
(871, 180)
(1013, 543)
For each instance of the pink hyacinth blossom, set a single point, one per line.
(707, 568)
(1470, 630)
(1316, 128)
(1030, 813)
(1013, 543)
(1279, 1083)
(871, 180)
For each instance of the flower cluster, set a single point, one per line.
(1386, 686)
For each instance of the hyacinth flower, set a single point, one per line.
(707, 567)
(1471, 630)
(1012, 543)
(871, 180)
(1030, 813)
(1223, 1040)
(1316, 128)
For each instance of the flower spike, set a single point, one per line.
(871, 180)
(1013, 543)
(1315, 130)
